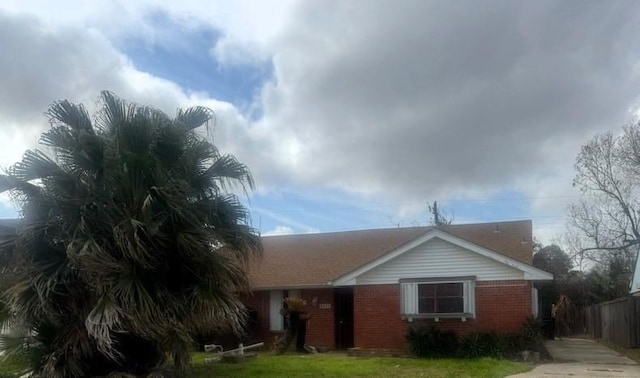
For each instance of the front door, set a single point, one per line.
(343, 299)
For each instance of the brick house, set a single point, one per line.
(364, 288)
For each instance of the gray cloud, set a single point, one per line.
(415, 100)
(430, 98)
(40, 65)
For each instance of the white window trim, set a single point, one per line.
(409, 300)
(276, 322)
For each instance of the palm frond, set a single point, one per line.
(36, 165)
(71, 115)
(227, 172)
(194, 117)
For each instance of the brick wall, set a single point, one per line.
(259, 301)
(376, 317)
(501, 306)
(320, 326)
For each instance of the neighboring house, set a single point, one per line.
(364, 288)
(634, 286)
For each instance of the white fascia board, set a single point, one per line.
(292, 287)
(343, 282)
(540, 275)
(531, 273)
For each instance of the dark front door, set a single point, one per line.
(343, 299)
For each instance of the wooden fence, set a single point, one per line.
(617, 321)
(577, 320)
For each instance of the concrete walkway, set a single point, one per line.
(583, 358)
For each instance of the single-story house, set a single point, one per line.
(364, 288)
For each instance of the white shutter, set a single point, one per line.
(534, 302)
(470, 297)
(409, 298)
(275, 304)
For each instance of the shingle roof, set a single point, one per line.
(315, 259)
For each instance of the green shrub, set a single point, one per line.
(531, 332)
(483, 344)
(514, 344)
(432, 342)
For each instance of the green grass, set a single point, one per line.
(336, 365)
(339, 365)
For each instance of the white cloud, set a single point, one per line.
(279, 230)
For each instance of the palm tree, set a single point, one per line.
(130, 240)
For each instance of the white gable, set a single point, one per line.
(439, 258)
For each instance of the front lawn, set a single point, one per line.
(339, 365)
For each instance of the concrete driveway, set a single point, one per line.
(583, 358)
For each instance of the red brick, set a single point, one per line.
(501, 306)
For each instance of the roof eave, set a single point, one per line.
(292, 287)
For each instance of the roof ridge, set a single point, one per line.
(324, 233)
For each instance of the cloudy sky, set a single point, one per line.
(350, 114)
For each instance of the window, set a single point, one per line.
(451, 297)
(441, 298)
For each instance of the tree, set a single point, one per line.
(129, 242)
(552, 259)
(605, 227)
(609, 281)
(440, 218)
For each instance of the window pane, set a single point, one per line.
(426, 306)
(426, 290)
(450, 305)
(450, 290)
